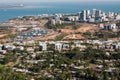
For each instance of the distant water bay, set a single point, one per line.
(50, 8)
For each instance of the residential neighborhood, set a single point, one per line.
(81, 46)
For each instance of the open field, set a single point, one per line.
(87, 27)
(83, 28)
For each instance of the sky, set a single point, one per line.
(26, 1)
(56, 0)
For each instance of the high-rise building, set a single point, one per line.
(93, 12)
(87, 13)
(83, 15)
(98, 14)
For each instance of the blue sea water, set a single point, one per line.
(51, 8)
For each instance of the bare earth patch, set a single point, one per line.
(74, 36)
(84, 28)
(2, 35)
(71, 33)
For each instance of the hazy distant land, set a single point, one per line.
(12, 6)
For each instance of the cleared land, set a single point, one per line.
(65, 31)
(2, 35)
(83, 28)
(74, 36)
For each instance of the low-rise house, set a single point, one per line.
(64, 65)
(116, 46)
(98, 68)
(18, 43)
(3, 51)
(111, 70)
(28, 42)
(32, 61)
(51, 65)
(30, 49)
(58, 46)
(22, 70)
(22, 29)
(21, 48)
(117, 17)
(9, 47)
(43, 46)
(79, 67)
(1, 46)
(101, 26)
(82, 47)
(66, 46)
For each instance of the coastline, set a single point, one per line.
(45, 8)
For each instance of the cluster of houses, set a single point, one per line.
(64, 45)
(109, 44)
(32, 33)
(59, 45)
